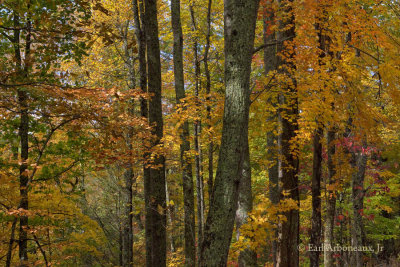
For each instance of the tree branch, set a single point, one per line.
(271, 44)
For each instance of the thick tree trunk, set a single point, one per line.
(154, 186)
(359, 162)
(316, 223)
(240, 18)
(331, 202)
(288, 239)
(270, 60)
(247, 257)
(187, 177)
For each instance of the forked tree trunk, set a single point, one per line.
(154, 186)
(187, 177)
(240, 19)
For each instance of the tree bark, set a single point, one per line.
(288, 237)
(359, 161)
(316, 223)
(330, 202)
(23, 133)
(138, 16)
(10, 244)
(127, 238)
(240, 19)
(197, 131)
(187, 177)
(208, 91)
(247, 257)
(270, 60)
(170, 216)
(154, 186)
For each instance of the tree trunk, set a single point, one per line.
(270, 60)
(187, 177)
(331, 201)
(127, 237)
(10, 244)
(154, 186)
(208, 91)
(170, 216)
(247, 257)
(359, 161)
(23, 178)
(240, 19)
(141, 42)
(288, 239)
(23, 133)
(197, 131)
(315, 238)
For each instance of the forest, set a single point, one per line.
(204, 133)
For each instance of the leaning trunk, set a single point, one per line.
(240, 19)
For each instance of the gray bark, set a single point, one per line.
(187, 177)
(197, 131)
(288, 237)
(330, 202)
(247, 257)
(154, 186)
(240, 19)
(359, 161)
